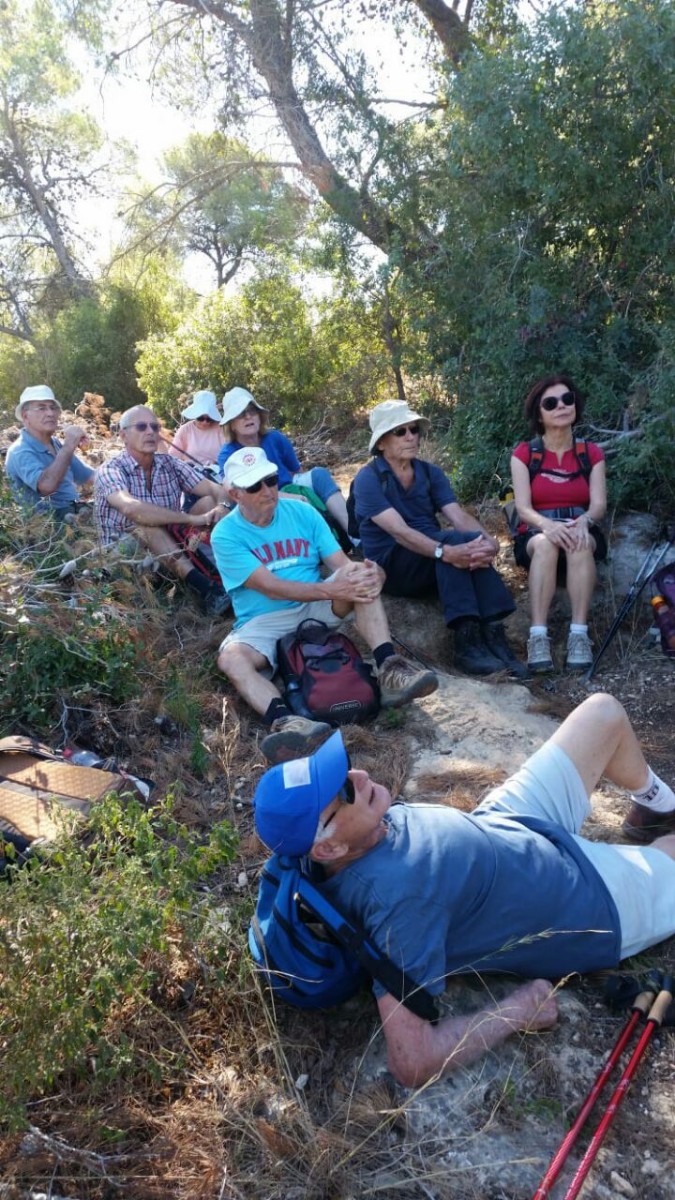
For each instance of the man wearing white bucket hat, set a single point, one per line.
(45, 473)
(269, 552)
(397, 497)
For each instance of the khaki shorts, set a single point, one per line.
(262, 633)
(640, 879)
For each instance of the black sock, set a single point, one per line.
(275, 709)
(198, 582)
(380, 653)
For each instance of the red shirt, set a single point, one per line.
(563, 490)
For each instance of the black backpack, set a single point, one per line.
(325, 677)
(384, 478)
(310, 953)
(537, 451)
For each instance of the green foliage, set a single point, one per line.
(88, 934)
(48, 655)
(555, 183)
(223, 202)
(265, 339)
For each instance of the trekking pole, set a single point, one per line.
(413, 654)
(185, 452)
(640, 1008)
(654, 1018)
(641, 580)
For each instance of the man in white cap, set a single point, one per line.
(45, 473)
(511, 887)
(139, 492)
(270, 552)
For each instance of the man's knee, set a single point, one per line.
(239, 662)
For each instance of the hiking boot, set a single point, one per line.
(400, 682)
(293, 737)
(471, 652)
(494, 636)
(579, 652)
(217, 603)
(539, 659)
(643, 824)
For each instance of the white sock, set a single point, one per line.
(536, 630)
(578, 628)
(655, 795)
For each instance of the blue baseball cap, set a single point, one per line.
(291, 796)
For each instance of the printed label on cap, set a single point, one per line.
(296, 773)
(248, 459)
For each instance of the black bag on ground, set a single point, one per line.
(310, 953)
(325, 677)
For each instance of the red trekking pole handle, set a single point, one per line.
(640, 1008)
(657, 1012)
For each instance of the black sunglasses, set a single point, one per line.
(141, 426)
(403, 429)
(204, 417)
(346, 795)
(551, 402)
(270, 481)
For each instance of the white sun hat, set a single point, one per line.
(39, 392)
(234, 403)
(389, 415)
(204, 404)
(247, 466)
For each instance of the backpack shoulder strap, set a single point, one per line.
(536, 448)
(582, 456)
(354, 938)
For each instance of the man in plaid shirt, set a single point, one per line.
(139, 493)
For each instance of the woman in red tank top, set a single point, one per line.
(558, 507)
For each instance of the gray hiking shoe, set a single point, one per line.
(217, 603)
(293, 737)
(539, 659)
(579, 652)
(400, 682)
(642, 824)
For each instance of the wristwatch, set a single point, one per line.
(438, 552)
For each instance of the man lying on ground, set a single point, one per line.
(269, 552)
(139, 492)
(45, 473)
(510, 887)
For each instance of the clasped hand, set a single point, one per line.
(357, 582)
(569, 535)
(479, 552)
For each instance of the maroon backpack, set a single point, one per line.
(325, 677)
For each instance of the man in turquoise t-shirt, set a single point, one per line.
(270, 553)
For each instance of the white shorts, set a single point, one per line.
(640, 879)
(263, 632)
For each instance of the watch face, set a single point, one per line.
(438, 552)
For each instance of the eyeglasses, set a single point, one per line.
(346, 795)
(270, 481)
(403, 429)
(550, 403)
(204, 417)
(141, 426)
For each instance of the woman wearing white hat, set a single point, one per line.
(396, 498)
(200, 439)
(244, 421)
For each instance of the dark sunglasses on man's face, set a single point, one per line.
(270, 481)
(346, 795)
(141, 426)
(403, 429)
(550, 403)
